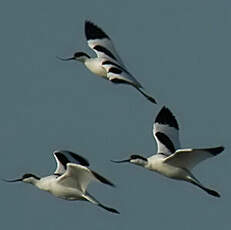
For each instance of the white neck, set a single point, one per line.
(31, 180)
(94, 65)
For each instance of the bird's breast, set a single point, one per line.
(95, 66)
(64, 192)
(167, 169)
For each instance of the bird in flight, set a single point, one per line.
(70, 179)
(171, 160)
(107, 64)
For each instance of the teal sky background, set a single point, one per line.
(179, 51)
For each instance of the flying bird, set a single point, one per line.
(170, 160)
(107, 64)
(70, 179)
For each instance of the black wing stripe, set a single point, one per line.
(78, 158)
(166, 117)
(115, 70)
(94, 32)
(165, 140)
(102, 179)
(119, 81)
(114, 64)
(105, 51)
(63, 159)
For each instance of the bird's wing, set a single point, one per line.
(188, 158)
(166, 132)
(63, 157)
(78, 176)
(118, 74)
(101, 43)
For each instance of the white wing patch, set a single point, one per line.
(76, 176)
(189, 158)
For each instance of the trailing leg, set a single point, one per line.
(91, 199)
(194, 181)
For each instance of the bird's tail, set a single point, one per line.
(91, 199)
(150, 98)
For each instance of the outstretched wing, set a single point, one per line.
(166, 132)
(101, 43)
(63, 157)
(78, 176)
(188, 158)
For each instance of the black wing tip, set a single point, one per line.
(89, 23)
(215, 151)
(61, 156)
(83, 161)
(102, 179)
(92, 31)
(165, 116)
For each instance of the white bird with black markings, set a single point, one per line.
(170, 160)
(70, 179)
(107, 64)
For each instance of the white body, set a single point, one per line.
(95, 66)
(51, 185)
(156, 163)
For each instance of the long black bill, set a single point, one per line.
(123, 161)
(66, 59)
(16, 180)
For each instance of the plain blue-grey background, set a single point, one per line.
(180, 52)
